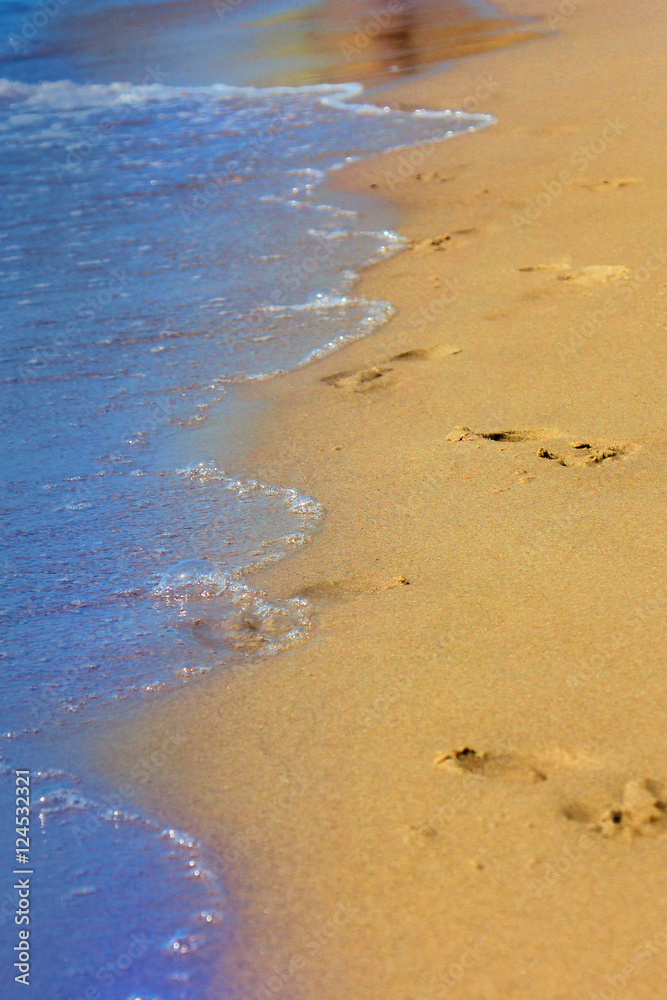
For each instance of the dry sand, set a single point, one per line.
(490, 577)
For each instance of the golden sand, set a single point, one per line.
(455, 786)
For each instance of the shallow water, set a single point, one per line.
(160, 242)
(247, 41)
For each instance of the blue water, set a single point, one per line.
(160, 243)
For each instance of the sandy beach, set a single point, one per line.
(455, 786)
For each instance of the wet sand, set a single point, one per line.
(376, 41)
(254, 42)
(455, 787)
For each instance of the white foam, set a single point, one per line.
(378, 314)
(320, 302)
(205, 470)
(244, 617)
(64, 95)
(193, 578)
(196, 930)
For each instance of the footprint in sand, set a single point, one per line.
(610, 183)
(423, 353)
(581, 453)
(434, 176)
(438, 242)
(577, 453)
(595, 274)
(338, 590)
(369, 378)
(412, 354)
(490, 764)
(592, 274)
(359, 381)
(465, 434)
(641, 811)
(555, 265)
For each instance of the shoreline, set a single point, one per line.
(470, 591)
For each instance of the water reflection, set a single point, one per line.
(270, 42)
(373, 40)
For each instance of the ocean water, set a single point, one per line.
(161, 242)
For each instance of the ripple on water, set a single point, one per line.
(162, 931)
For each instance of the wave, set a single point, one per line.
(65, 95)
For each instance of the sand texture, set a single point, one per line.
(457, 786)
